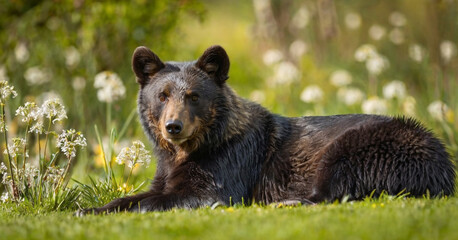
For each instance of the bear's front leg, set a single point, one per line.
(117, 205)
(164, 202)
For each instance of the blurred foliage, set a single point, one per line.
(78, 38)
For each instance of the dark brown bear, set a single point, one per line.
(213, 146)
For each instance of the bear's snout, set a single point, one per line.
(173, 127)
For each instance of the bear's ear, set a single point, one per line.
(215, 62)
(145, 64)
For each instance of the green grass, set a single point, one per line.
(370, 219)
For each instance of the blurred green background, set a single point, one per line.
(295, 57)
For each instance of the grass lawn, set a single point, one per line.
(370, 219)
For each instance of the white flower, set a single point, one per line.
(3, 168)
(374, 105)
(397, 36)
(416, 52)
(36, 76)
(3, 74)
(375, 65)
(438, 110)
(408, 106)
(301, 18)
(68, 140)
(54, 174)
(340, 78)
(353, 20)
(4, 172)
(54, 110)
(312, 94)
(377, 32)
(365, 52)
(16, 148)
(286, 73)
(29, 112)
(272, 56)
(258, 96)
(448, 50)
(78, 83)
(110, 87)
(394, 89)
(134, 155)
(21, 53)
(6, 90)
(398, 19)
(298, 48)
(350, 96)
(72, 57)
(4, 197)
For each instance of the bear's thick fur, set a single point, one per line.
(214, 146)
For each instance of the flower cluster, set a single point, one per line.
(375, 105)
(110, 87)
(350, 95)
(134, 155)
(53, 110)
(29, 112)
(6, 90)
(68, 140)
(16, 148)
(312, 94)
(375, 62)
(395, 89)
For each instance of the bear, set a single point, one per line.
(213, 146)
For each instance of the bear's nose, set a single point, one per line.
(173, 126)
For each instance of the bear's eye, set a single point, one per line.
(162, 97)
(194, 98)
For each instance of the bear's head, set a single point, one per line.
(178, 102)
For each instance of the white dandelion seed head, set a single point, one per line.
(110, 87)
(21, 53)
(394, 89)
(272, 56)
(258, 96)
(301, 19)
(416, 52)
(53, 109)
(409, 106)
(72, 57)
(397, 19)
(298, 48)
(377, 32)
(397, 36)
(340, 78)
(365, 52)
(377, 64)
(448, 50)
(374, 105)
(350, 95)
(78, 83)
(285, 73)
(353, 20)
(312, 94)
(134, 155)
(37, 76)
(438, 110)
